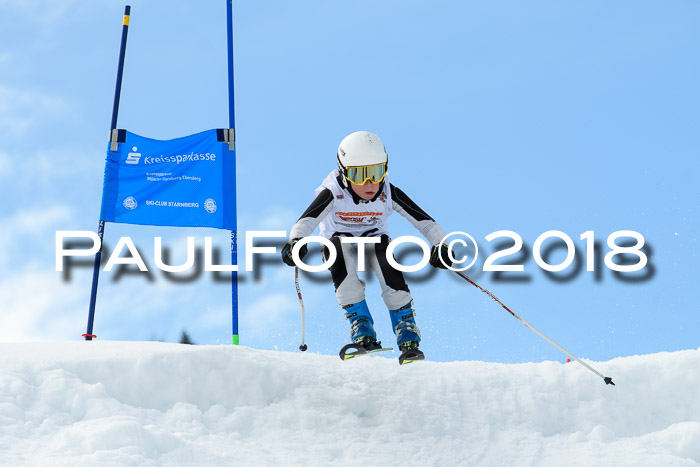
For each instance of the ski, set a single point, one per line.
(359, 351)
(410, 356)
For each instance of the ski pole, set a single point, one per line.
(607, 379)
(303, 346)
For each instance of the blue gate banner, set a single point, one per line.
(183, 182)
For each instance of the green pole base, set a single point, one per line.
(234, 341)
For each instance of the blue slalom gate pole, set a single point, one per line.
(229, 31)
(113, 147)
(232, 127)
(120, 68)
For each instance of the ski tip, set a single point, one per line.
(411, 356)
(608, 380)
(345, 355)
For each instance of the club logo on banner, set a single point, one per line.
(183, 182)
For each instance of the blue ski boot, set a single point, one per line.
(407, 333)
(362, 326)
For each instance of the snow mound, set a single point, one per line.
(168, 404)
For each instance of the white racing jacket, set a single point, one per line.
(339, 211)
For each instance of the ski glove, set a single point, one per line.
(438, 251)
(287, 252)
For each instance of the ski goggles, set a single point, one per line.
(359, 175)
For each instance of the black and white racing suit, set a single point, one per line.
(340, 212)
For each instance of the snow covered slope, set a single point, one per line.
(167, 404)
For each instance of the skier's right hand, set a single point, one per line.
(440, 257)
(287, 252)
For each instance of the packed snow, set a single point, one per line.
(152, 403)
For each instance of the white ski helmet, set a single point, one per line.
(360, 149)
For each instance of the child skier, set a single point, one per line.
(356, 200)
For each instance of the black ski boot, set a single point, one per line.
(410, 353)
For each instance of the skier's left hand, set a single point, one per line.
(439, 251)
(287, 252)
